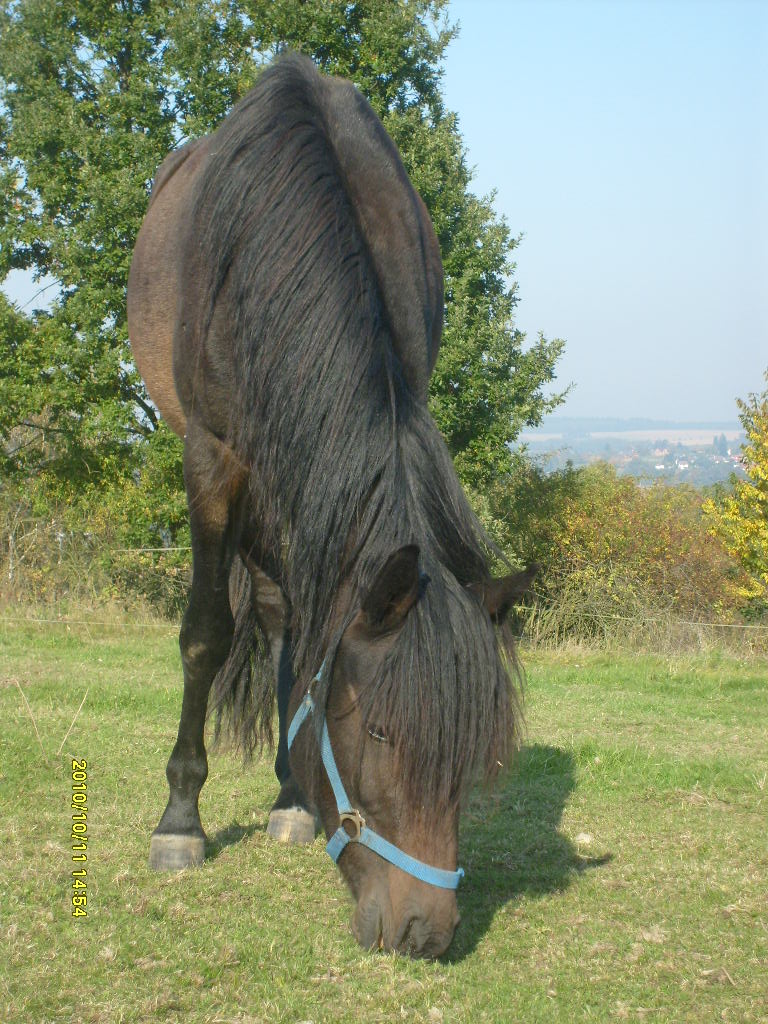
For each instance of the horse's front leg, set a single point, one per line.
(213, 481)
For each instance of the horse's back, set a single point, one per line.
(292, 99)
(394, 223)
(182, 367)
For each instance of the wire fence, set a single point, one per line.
(64, 620)
(186, 547)
(701, 623)
(46, 566)
(540, 624)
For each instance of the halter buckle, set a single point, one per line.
(357, 821)
(309, 696)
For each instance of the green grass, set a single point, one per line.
(619, 872)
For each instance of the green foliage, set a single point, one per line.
(392, 51)
(19, 387)
(95, 94)
(82, 137)
(487, 386)
(740, 519)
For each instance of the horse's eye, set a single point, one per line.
(376, 734)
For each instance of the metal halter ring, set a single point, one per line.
(357, 821)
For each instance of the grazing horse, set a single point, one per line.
(285, 309)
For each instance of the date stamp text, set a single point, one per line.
(79, 837)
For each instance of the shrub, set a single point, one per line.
(87, 544)
(612, 548)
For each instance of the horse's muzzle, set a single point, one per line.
(415, 934)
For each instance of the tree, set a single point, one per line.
(740, 518)
(720, 444)
(94, 94)
(89, 112)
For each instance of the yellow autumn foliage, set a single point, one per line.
(740, 519)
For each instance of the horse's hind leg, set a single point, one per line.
(290, 820)
(213, 481)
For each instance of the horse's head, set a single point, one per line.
(374, 751)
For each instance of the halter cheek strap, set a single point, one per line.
(347, 814)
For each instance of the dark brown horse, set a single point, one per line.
(285, 309)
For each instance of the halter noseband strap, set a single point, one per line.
(362, 834)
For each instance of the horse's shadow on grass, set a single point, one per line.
(511, 844)
(228, 836)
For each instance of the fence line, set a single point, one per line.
(688, 622)
(152, 625)
(21, 620)
(185, 548)
(622, 618)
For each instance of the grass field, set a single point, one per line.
(620, 872)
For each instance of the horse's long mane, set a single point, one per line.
(346, 463)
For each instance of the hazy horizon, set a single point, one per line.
(561, 414)
(561, 425)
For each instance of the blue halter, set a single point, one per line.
(362, 834)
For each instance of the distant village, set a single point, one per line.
(678, 453)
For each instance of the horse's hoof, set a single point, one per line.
(291, 825)
(168, 852)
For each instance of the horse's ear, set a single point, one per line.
(394, 591)
(498, 596)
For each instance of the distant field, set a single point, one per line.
(688, 437)
(691, 437)
(618, 873)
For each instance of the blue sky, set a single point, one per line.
(627, 141)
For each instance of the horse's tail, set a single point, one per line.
(243, 694)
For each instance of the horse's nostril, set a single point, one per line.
(418, 937)
(368, 927)
(402, 935)
(415, 937)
